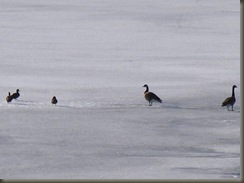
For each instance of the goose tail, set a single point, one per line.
(158, 99)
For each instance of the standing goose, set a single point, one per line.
(54, 100)
(230, 101)
(15, 95)
(9, 98)
(150, 96)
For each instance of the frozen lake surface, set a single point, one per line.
(95, 56)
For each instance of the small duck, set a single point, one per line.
(54, 100)
(9, 97)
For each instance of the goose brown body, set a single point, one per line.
(230, 101)
(150, 96)
(9, 97)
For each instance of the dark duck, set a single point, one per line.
(9, 97)
(54, 100)
(15, 95)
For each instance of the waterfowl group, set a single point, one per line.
(230, 101)
(150, 96)
(16, 95)
(10, 97)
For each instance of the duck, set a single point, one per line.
(150, 96)
(54, 100)
(9, 97)
(230, 101)
(15, 95)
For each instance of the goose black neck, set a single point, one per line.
(233, 91)
(146, 89)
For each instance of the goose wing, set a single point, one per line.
(153, 96)
(227, 101)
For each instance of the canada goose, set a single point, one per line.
(54, 100)
(9, 98)
(230, 101)
(15, 95)
(150, 96)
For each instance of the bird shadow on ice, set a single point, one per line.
(22, 102)
(67, 106)
(102, 106)
(109, 105)
(171, 106)
(27, 103)
(221, 172)
(203, 108)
